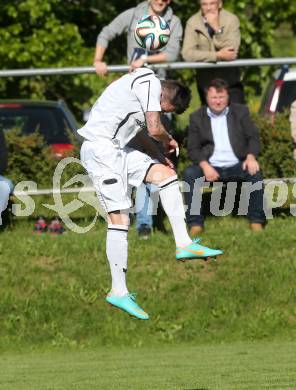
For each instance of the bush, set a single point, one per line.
(29, 158)
(276, 157)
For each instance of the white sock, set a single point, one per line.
(116, 250)
(172, 202)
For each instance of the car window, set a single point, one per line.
(49, 121)
(287, 95)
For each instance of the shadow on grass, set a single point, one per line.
(197, 388)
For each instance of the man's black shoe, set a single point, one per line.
(144, 232)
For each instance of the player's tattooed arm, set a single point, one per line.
(156, 130)
(155, 127)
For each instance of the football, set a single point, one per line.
(152, 32)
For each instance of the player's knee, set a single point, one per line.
(167, 172)
(159, 173)
(119, 218)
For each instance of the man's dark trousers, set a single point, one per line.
(235, 173)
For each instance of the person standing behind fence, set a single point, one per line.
(137, 58)
(6, 186)
(211, 35)
(126, 22)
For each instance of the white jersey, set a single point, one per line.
(119, 113)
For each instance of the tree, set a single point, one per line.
(57, 33)
(33, 35)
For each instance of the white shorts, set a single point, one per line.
(114, 171)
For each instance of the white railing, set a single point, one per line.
(76, 190)
(172, 65)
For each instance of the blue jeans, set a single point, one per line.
(6, 188)
(144, 205)
(255, 211)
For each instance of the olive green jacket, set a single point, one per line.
(199, 46)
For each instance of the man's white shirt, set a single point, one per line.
(119, 113)
(223, 155)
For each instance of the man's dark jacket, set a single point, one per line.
(3, 153)
(243, 134)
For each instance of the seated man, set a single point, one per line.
(223, 144)
(6, 186)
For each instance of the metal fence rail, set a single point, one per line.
(76, 190)
(172, 65)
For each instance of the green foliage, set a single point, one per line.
(37, 33)
(276, 157)
(33, 35)
(285, 43)
(23, 150)
(54, 33)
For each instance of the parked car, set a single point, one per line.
(52, 119)
(280, 92)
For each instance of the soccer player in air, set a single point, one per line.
(129, 107)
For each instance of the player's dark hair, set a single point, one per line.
(178, 94)
(218, 84)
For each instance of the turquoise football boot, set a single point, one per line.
(128, 303)
(196, 251)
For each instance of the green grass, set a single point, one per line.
(52, 288)
(256, 366)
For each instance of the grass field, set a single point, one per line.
(256, 366)
(224, 325)
(52, 288)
